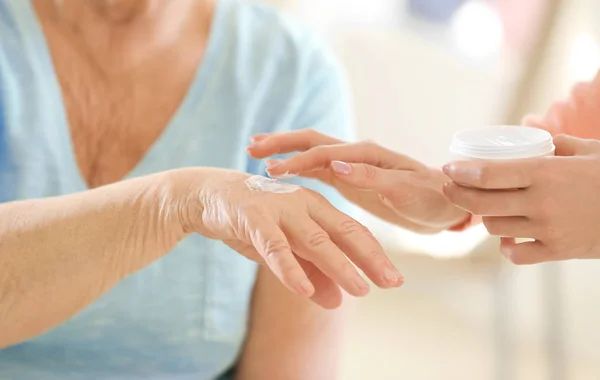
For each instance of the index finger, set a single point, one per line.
(492, 175)
(363, 152)
(288, 142)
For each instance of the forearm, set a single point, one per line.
(57, 255)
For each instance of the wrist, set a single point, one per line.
(182, 191)
(196, 190)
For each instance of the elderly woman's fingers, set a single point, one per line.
(273, 246)
(327, 292)
(312, 243)
(359, 244)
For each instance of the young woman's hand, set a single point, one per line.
(577, 116)
(389, 185)
(553, 200)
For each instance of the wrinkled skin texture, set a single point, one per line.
(389, 185)
(307, 243)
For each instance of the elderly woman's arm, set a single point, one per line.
(57, 255)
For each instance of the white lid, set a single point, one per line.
(502, 142)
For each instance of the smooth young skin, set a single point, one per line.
(552, 200)
(390, 185)
(556, 199)
(578, 116)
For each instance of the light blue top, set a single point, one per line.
(184, 317)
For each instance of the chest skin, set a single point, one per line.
(115, 116)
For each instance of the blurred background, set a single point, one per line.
(420, 70)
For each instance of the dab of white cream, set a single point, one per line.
(260, 183)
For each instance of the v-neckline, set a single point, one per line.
(59, 135)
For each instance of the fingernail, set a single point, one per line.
(341, 167)
(272, 164)
(392, 276)
(257, 138)
(446, 169)
(306, 287)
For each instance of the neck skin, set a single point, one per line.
(122, 34)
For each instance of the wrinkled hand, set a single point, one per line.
(553, 200)
(302, 238)
(389, 185)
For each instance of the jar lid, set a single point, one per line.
(502, 142)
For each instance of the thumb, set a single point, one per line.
(364, 176)
(572, 146)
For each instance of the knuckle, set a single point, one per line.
(370, 173)
(320, 150)
(253, 212)
(318, 239)
(311, 133)
(373, 255)
(350, 226)
(366, 143)
(275, 247)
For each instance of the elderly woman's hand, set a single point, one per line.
(308, 244)
(389, 185)
(553, 200)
